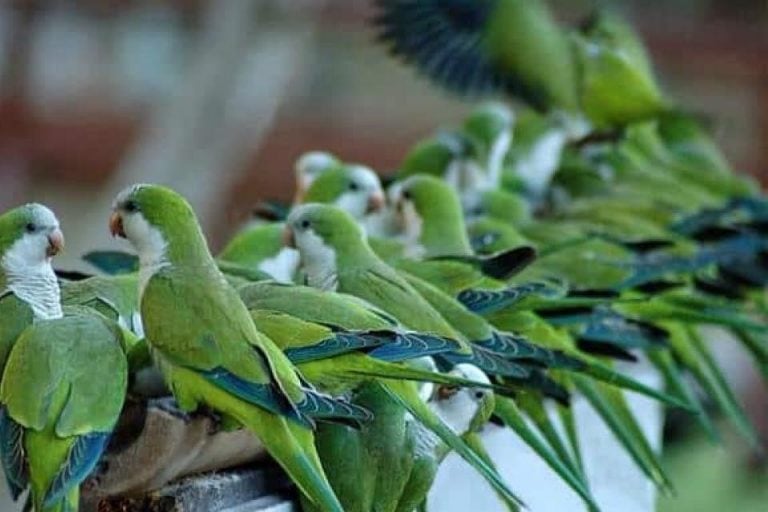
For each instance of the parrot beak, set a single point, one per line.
(116, 225)
(446, 392)
(376, 203)
(55, 243)
(288, 239)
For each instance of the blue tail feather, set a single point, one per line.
(262, 395)
(12, 453)
(410, 345)
(490, 363)
(83, 457)
(490, 301)
(326, 408)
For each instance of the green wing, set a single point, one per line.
(384, 288)
(288, 331)
(470, 325)
(55, 356)
(15, 316)
(196, 320)
(115, 297)
(334, 309)
(254, 244)
(450, 276)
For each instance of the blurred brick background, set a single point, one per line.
(79, 79)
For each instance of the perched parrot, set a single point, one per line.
(204, 341)
(54, 424)
(24, 232)
(354, 188)
(342, 344)
(336, 257)
(440, 231)
(395, 457)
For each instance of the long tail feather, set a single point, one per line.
(406, 394)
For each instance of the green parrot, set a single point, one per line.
(24, 232)
(471, 47)
(439, 231)
(336, 257)
(354, 188)
(338, 341)
(53, 443)
(343, 344)
(54, 425)
(617, 85)
(205, 343)
(395, 457)
(466, 410)
(435, 155)
(308, 167)
(470, 160)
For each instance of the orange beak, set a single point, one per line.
(446, 392)
(376, 203)
(116, 225)
(288, 239)
(55, 243)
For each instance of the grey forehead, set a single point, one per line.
(43, 215)
(126, 193)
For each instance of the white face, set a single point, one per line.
(458, 407)
(145, 238)
(364, 193)
(27, 263)
(408, 218)
(41, 240)
(318, 260)
(309, 167)
(148, 241)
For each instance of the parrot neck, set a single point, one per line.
(152, 258)
(319, 262)
(499, 150)
(35, 284)
(442, 233)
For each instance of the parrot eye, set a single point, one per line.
(304, 224)
(479, 395)
(353, 186)
(131, 207)
(30, 227)
(407, 195)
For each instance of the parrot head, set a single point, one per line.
(325, 235)
(355, 189)
(308, 167)
(433, 156)
(464, 409)
(29, 236)
(427, 207)
(497, 203)
(158, 222)
(486, 124)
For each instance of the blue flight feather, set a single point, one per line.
(12, 453)
(83, 457)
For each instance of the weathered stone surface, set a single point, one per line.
(240, 490)
(156, 443)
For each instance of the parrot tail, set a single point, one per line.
(292, 446)
(70, 503)
(502, 265)
(326, 408)
(407, 395)
(484, 302)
